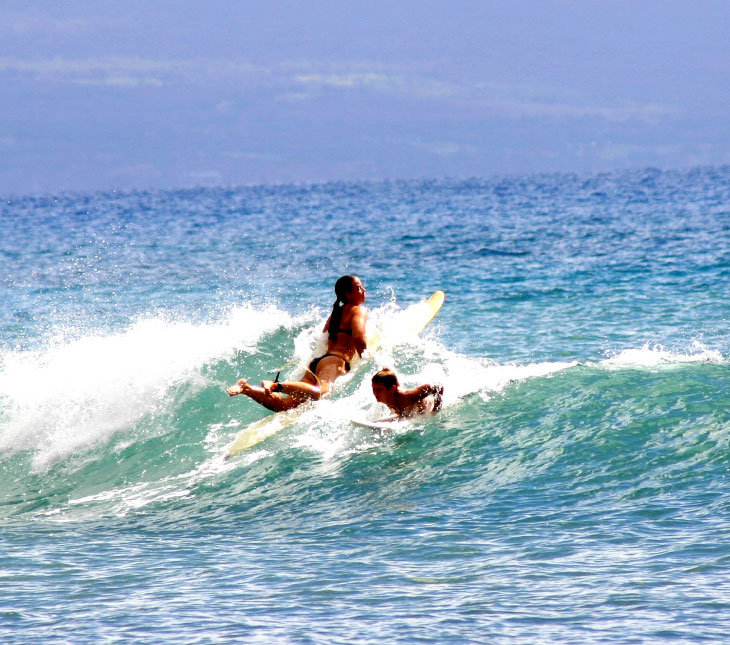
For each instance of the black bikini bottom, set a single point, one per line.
(315, 362)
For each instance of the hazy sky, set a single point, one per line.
(138, 94)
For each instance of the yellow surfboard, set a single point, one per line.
(411, 321)
(416, 318)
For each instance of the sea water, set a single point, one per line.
(575, 488)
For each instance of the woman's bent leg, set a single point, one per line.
(270, 400)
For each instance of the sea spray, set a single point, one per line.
(80, 393)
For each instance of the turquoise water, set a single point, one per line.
(574, 488)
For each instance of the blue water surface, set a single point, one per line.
(573, 489)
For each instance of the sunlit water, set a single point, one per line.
(574, 488)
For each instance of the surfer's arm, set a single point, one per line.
(359, 321)
(423, 391)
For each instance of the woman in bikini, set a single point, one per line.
(346, 339)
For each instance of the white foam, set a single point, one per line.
(79, 393)
(654, 355)
(463, 375)
(326, 428)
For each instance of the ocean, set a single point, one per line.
(575, 487)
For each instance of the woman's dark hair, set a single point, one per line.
(343, 286)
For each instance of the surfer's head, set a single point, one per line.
(349, 290)
(383, 383)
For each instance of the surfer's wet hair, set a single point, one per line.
(343, 286)
(386, 377)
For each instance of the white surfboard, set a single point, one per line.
(374, 425)
(414, 321)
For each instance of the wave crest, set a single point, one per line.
(78, 394)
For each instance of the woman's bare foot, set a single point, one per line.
(241, 387)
